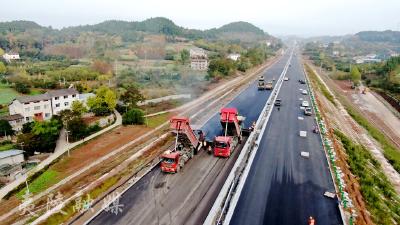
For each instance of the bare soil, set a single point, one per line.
(373, 109)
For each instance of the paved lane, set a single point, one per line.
(186, 198)
(282, 187)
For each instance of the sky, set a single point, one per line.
(277, 17)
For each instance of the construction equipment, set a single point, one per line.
(261, 85)
(232, 132)
(268, 85)
(187, 143)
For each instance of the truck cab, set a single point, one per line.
(170, 162)
(223, 145)
(187, 144)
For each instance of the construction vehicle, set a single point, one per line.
(268, 85)
(261, 83)
(232, 132)
(187, 143)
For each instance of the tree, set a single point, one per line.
(132, 96)
(22, 88)
(5, 128)
(78, 107)
(42, 136)
(102, 67)
(133, 116)
(3, 68)
(355, 75)
(185, 56)
(222, 66)
(77, 128)
(104, 102)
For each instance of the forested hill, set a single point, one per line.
(157, 25)
(379, 36)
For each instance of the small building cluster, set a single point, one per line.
(370, 58)
(42, 107)
(198, 59)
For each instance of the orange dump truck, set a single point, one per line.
(232, 132)
(187, 143)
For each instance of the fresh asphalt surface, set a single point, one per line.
(283, 187)
(187, 197)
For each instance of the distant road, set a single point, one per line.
(282, 187)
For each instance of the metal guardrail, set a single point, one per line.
(222, 210)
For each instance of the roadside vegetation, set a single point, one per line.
(317, 83)
(41, 183)
(382, 200)
(391, 153)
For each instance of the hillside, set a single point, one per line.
(34, 40)
(379, 36)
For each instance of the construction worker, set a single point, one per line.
(311, 221)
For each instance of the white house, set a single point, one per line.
(10, 56)
(36, 107)
(234, 56)
(62, 99)
(198, 59)
(43, 106)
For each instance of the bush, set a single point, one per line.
(22, 88)
(93, 129)
(101, 111)
(133, 116)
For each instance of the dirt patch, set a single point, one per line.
(90, 120)
(98, 147)
(371, 108)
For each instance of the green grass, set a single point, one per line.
(156, 121)
(391, 153)
(319, 85)
(7, 94)
(41, 183)
(382, 200)
(35, 92)
(7, 147)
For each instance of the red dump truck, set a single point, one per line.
(232, 132)
(187, 143)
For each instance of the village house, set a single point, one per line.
(43, 106)
(36, 107)
(11, 56)
(62, 99)
(234, 56)
(198, 59)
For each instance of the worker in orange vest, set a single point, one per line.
(311, 221)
